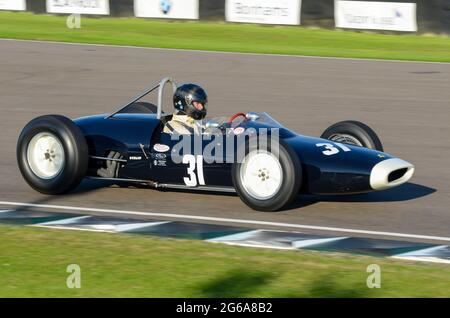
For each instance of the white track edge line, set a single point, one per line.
(229, 220)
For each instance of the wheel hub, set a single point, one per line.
(263, 174)
(45, 155)
(49, 155)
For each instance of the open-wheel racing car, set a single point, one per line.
(55, 153)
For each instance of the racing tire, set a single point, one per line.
(265, 181)
(52, 154)
(354, 133)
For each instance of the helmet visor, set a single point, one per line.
(198, 106)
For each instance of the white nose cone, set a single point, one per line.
(390, 173)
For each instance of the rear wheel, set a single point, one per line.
(52, 154)
(353, 133)
(268, 179)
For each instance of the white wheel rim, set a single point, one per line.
(45, 155)
(261, 175)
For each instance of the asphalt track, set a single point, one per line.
(407, 103)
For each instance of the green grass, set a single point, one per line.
(219, 36)
(33, 263)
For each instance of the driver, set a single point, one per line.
(190, 103)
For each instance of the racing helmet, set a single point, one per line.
(192, 100)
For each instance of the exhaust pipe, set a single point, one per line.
(390, 173)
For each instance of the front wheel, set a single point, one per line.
(268, 179)
(52, 154)
(353, 133)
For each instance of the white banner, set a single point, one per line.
(16, 5)
(263, 11)
(100, 7)
(169, 9)
(396, 16)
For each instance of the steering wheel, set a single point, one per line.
(237, 115)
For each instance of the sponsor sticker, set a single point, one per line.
(161, 148)
(160, 163)
(238, 130)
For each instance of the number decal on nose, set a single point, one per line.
(332, 149)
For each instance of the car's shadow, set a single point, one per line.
(405, 192)
(88, 185)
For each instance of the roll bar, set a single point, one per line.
(161, 85)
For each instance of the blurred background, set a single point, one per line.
(430, 15)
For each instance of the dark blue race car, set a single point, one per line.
(251, 154)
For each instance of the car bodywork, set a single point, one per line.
(133, 147)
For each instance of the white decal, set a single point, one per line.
(331, 149)
(238, 130)
(161, 148)
(194, 162)
(343, 147)
(159, 163)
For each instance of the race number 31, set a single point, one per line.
(194, 170)
(332, 149)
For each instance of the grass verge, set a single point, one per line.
(33, 263)
(216, 36)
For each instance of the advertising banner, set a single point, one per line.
(263, 11)
(168, 9)
(395, 16)
(98, 7)
(14, 5)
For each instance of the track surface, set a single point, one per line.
(408, 104)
